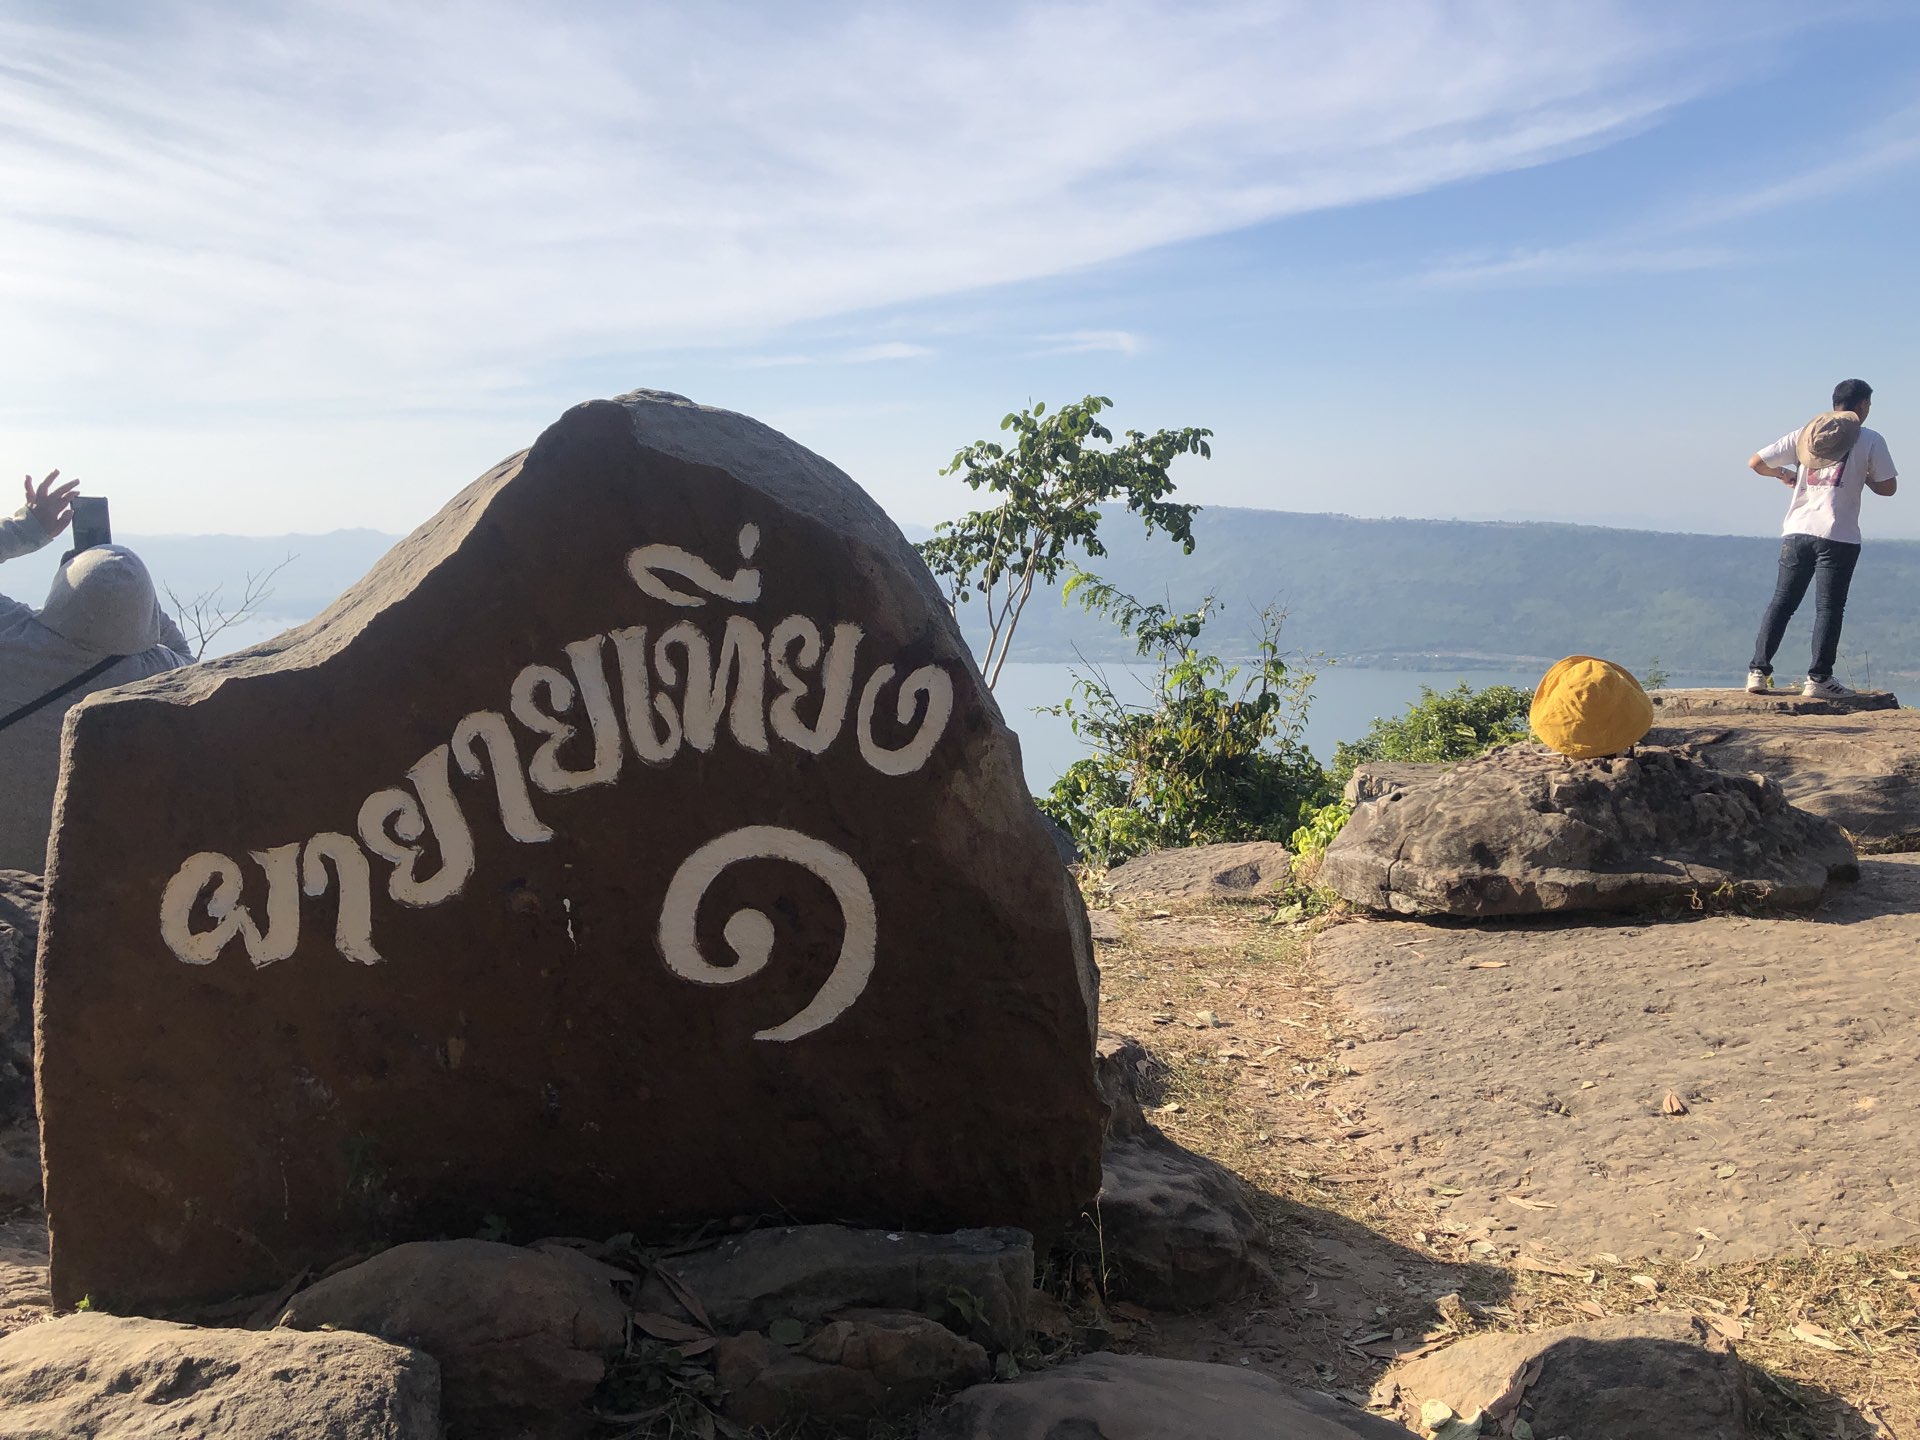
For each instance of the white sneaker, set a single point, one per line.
(1828, 689)
(1758, 682)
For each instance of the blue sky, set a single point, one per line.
(275, 267)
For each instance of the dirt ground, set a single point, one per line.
(1310, 1063)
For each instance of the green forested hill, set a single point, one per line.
(1403, 592)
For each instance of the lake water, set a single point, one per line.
(1346, 699)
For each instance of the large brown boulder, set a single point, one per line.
(637, 844)
(1135, 1397)
(1523, 830)
(515, 1331)
(108, 1375)
(1654, 1377)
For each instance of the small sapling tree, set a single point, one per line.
(1207, 751)
(1050, 480)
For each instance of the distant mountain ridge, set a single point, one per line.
(1392, 593)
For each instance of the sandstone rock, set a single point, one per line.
(1370, 782)
(872, 1363)
(1654, 1377)
(1134, 1397)
(106, 1375)
(19, 939)
(636, 844)
(1858, 768)
(1247, 870)
(1522, 830)
(810, 1273)
(1175, 1227)
(1668, 704)
(24, 1297)
(513, 1330)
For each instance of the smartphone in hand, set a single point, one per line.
(90, 527)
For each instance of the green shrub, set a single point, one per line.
(1310, 841)
(1440, 727)
(1212, 751)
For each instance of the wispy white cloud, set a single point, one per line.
(359, 204)
(885, 350)
(1091, 342)
(1564, 264)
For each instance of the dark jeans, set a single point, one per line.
(1802, 558)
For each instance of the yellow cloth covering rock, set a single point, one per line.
(1586, 707)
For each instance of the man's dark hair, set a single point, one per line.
(1850, 393)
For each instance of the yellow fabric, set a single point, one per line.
(1586, 707)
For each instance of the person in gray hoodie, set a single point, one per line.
(101, 611)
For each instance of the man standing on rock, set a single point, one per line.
(1828, 461)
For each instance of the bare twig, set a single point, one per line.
(204, 616)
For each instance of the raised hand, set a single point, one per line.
(51, 504)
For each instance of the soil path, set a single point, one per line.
(1520, 1070)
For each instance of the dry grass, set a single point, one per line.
(1253, 1045)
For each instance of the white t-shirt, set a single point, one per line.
(1826, 502)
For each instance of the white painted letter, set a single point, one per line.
(836, 681)
(750, 934)
(545, 768)
(433, 779)
(639, 701)
(489, 728)
(230, 917)
(650, 562)
(743, 659)
(353, 925)
(930, 681)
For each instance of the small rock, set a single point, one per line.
(1247, 870)
(1175, 1227)
(109, 1375)
(1129, 1079)
(811, 1273)
(1134, 1397)
(1654, 1377)
(872, 1362)
(514, 1330)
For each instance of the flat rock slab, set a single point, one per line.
(1524, 831)
(1532, 1060)
(1775, 702)
(109, 1375)
(636, 845)
(1244, 870)
(1859, 769)
(24, 1296)
(1135, 1397)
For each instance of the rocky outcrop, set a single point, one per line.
(1671, 704)
(19, 939)
(1654, 1377)
(515, 1331)
(1858, 766)
(1370, 782)
(1134, 1397)
(107, 1375)
(636, 845)
(811, 1273)
(1523, 831)
(1244, 870)
(1176, 1228)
